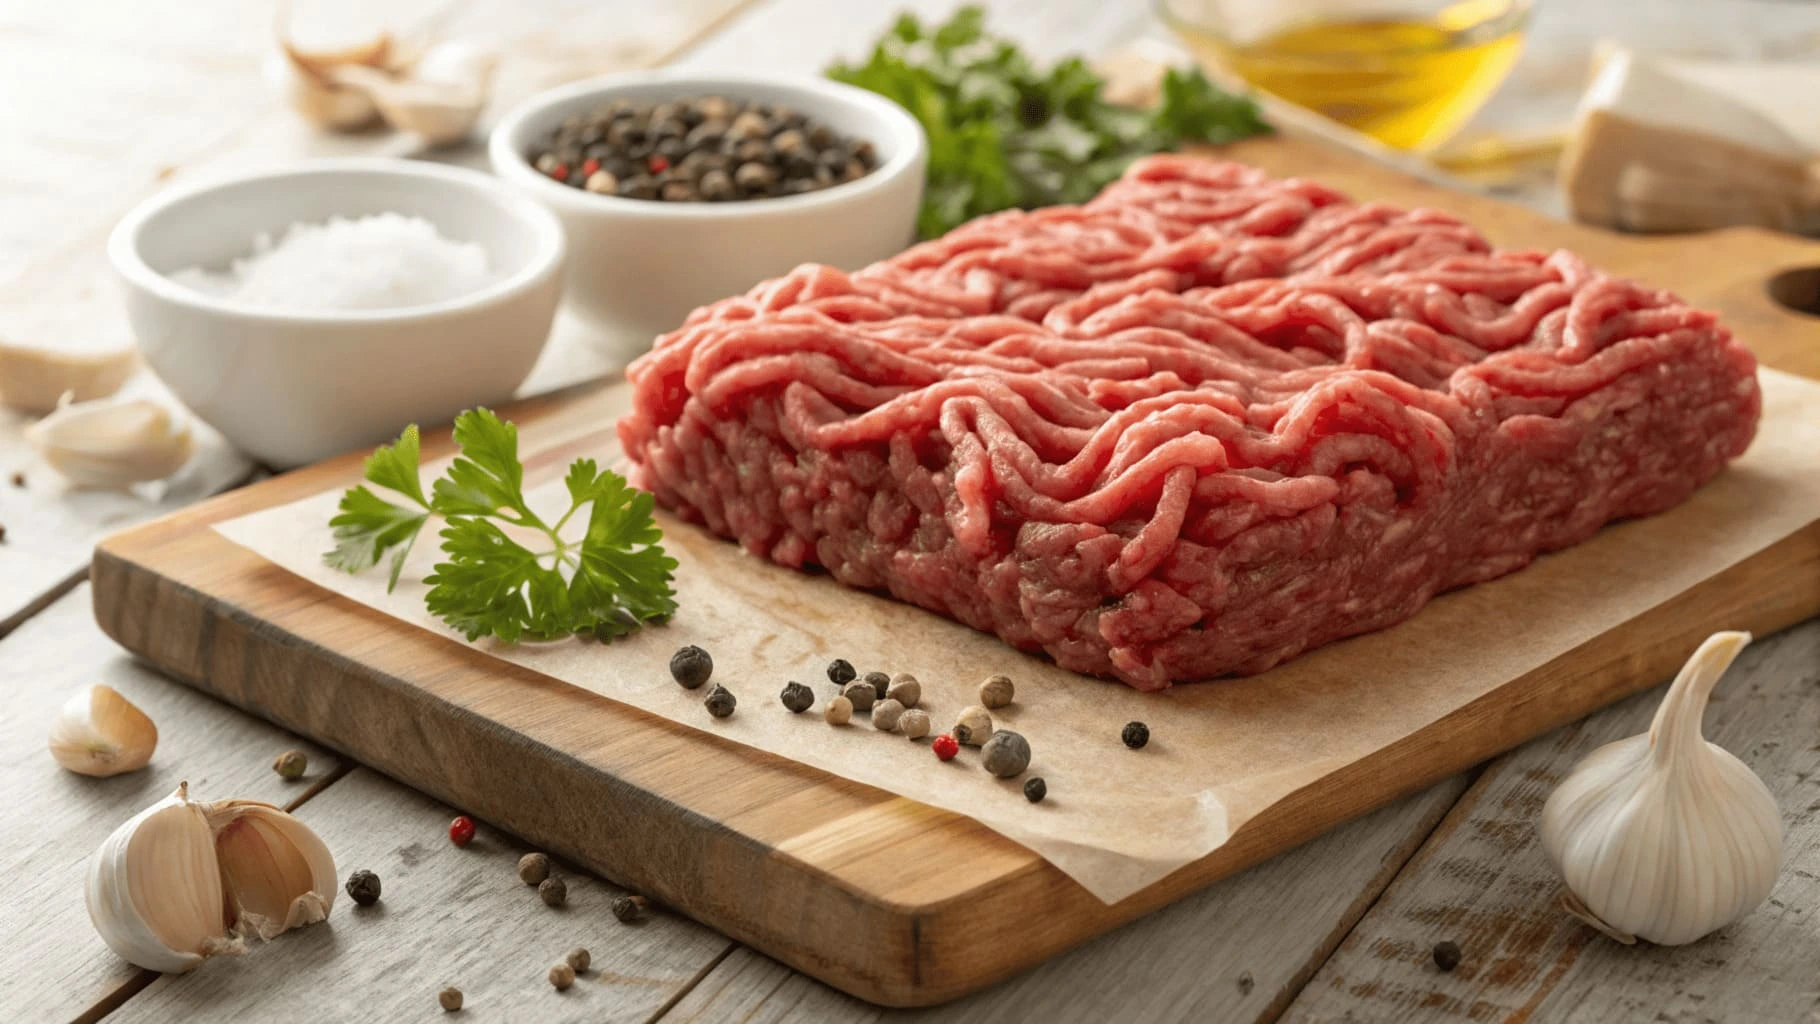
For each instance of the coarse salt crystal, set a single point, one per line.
(385, 261)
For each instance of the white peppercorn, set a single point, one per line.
(886, 714)
(839, 711)
(974, 726)
(996, 692)
(914, 723)
(905, 689)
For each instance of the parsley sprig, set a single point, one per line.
(613, 579)
(1004, 133)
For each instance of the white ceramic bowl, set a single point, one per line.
(293, 387)
(637, 266)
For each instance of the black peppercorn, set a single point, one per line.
(840, 672)
(881, 684)
(797, 697)
(720, 702)
(363, 887)
(1447, 954)
(1135, 735)
(677, 192)
(717, 186)
(691, 666)
(629, 908)
(1035, 789)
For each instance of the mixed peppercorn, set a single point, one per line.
(700, 149)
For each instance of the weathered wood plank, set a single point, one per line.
(449, 916)
(1235, 951)
(1483, 881)
(57, 966)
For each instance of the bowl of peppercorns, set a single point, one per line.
(676, 190)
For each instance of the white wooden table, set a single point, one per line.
(101, 102)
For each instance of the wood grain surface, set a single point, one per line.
(835, 908)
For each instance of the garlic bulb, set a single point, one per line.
(112, 444)
(183, 881)
(99, 732)
(1664, 836)
(33, 379)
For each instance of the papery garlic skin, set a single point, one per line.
(153, 888)
(183, 881)
(99, 732)
(1664, 836)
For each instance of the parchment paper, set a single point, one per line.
(1116, 820)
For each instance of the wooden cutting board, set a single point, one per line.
(809, 868)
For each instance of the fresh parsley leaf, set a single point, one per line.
(609, 582)
(1004, 133)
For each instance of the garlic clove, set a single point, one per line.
(438, 100)
(306, 79)
(1664, 836)
(154, 891)
(98, 732)
(33, 379)
(276, 874)
(111, 445)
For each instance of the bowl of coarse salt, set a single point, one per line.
(308, 311)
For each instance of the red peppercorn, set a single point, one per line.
(658, 163)
(945, 747)
(461, 830)
(560, 171)
(589, 166)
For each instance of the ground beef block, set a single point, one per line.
(1198, 426)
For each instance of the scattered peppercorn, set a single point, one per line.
(691, 666)
(1005, 754)
(914, 724)
(974, 726)
(696, 149)
(839, 711)
(881, 684)
(578, 958)
(720, 702)
(553, 891)
(905, 689)
(533, 868)
(363, 887)
(461, 830)
(1135, 735)
(450, 999)
(1035, 789)
(1447, 954)
(797, 697)
(562, 976)
(886, 714)
(291, 764)
(1246, 983)
(861, 693)
(996, 692)
(629, 908)
(18, 479)
(945, 747)
(840, 672)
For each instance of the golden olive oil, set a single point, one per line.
(1409, 84)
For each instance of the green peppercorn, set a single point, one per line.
(840, 672)
(1135, 735)
(533, 868)
(1447, 954)
(720, 702)
(797, 697)
(363, 887)
(691, 666)
(291, 764)
(562, 976)
(1035, 789)
(579, 958)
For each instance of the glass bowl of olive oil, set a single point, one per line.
(1408, 73)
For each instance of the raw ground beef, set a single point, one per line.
(1204, 423)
